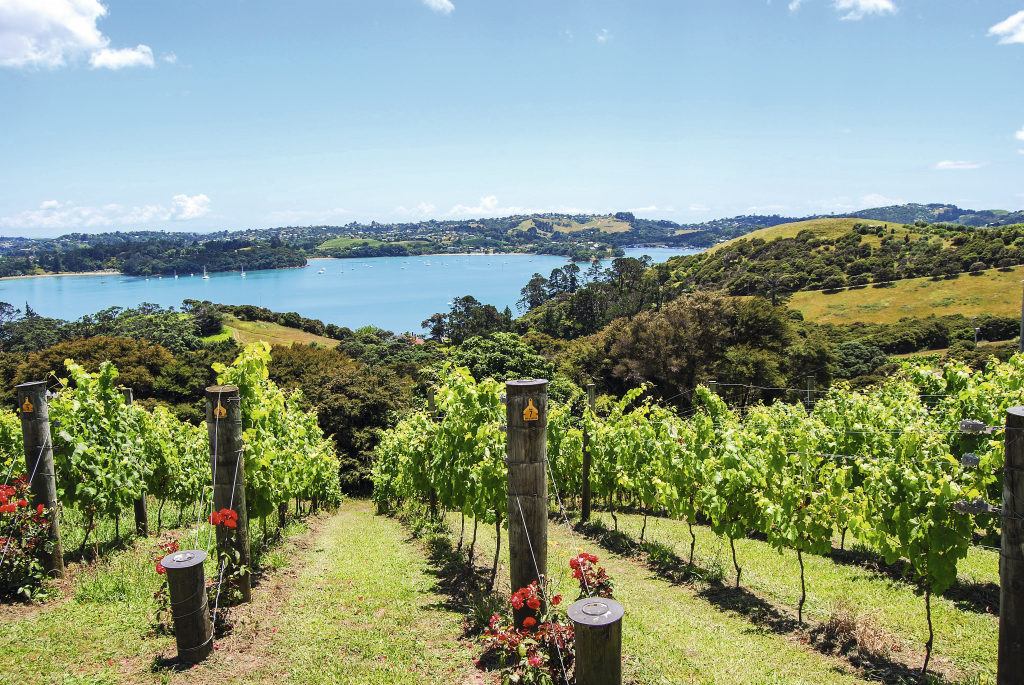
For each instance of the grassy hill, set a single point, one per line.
(342, 243)
(253, 331)
(996, 291)
(603, 224)
(823, 228)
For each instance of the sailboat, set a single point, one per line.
(243, 270)
(206, 276)
(175, 274)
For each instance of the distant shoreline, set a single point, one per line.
(65, 273)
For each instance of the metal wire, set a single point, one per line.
(7, 545)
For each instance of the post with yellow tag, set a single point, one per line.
(224, 425)
(527, 416)
(35, 428)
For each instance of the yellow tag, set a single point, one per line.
(220, 412)
(27, 407)
(531, 413)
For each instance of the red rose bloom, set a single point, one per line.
(529, 622)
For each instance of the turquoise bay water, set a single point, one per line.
(349, 292)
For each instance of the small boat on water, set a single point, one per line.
(206, 276)
(243, 271)
(320, 271)
(175, 274)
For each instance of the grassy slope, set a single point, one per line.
(348, 242)
(606, 225)
(253, 331)
(993, 292)
(825, 228)
(354, 600)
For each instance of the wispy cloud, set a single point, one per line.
(699, 208)
(1010, 30)
(854, 9)
(440, 6)
(603, 36)
(421, 210)
(170, 58)
(106, 58)
(53, 214)
(857, 9)
(948, 164)
(1020, 134)
(878, 200)
(51, 32)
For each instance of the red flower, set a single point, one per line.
(216, 519)
(529, 622)
(160, 568)
(517, 601)
(533, 603)
(574, 563)
(7, 509)
(534, 661)
(556, 600)
(22, 503)
(230, 523)
(39, 510)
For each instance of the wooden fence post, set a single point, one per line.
(35, 429)
(527, 416)
(432, 493)
(190, 606)
(1011, 567)
(598, 627)
(585, 506)
(224, 424)
(141, 510)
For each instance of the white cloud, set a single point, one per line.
(1020, 134)
(53, 214)
(877, 200)
(841, 204)
(440, 6)
(603, 36)
(187, 208)
(699, 208)
(652, 208)
(421, 210)
(793, 6)
(949, 164)
(47, 33)
(170, 58)
(1011, 29)
(856, 9)
(106, 58)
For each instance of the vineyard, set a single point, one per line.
(108, 454)
(888, 470)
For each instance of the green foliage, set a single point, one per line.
(500, 357)
(286, 453)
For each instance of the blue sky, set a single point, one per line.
(228, 114)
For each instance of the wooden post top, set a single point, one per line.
(31, 385)
(595, 611)
(1015, 411)
(525, 386)
(186, 558)
(222, 390)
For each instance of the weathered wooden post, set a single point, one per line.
(190, 606)
(432, 411)
(224, 424)
(141, 512)
(1011, 568)
(585, 505)
(810, 393)
(598, 625)
(527, 416)
(35, 429)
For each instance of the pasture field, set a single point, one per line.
(823, 228)
(995, 291)
(253, 331)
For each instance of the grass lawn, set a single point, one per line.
(351, 598)
(994, 291)
(276, 334)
